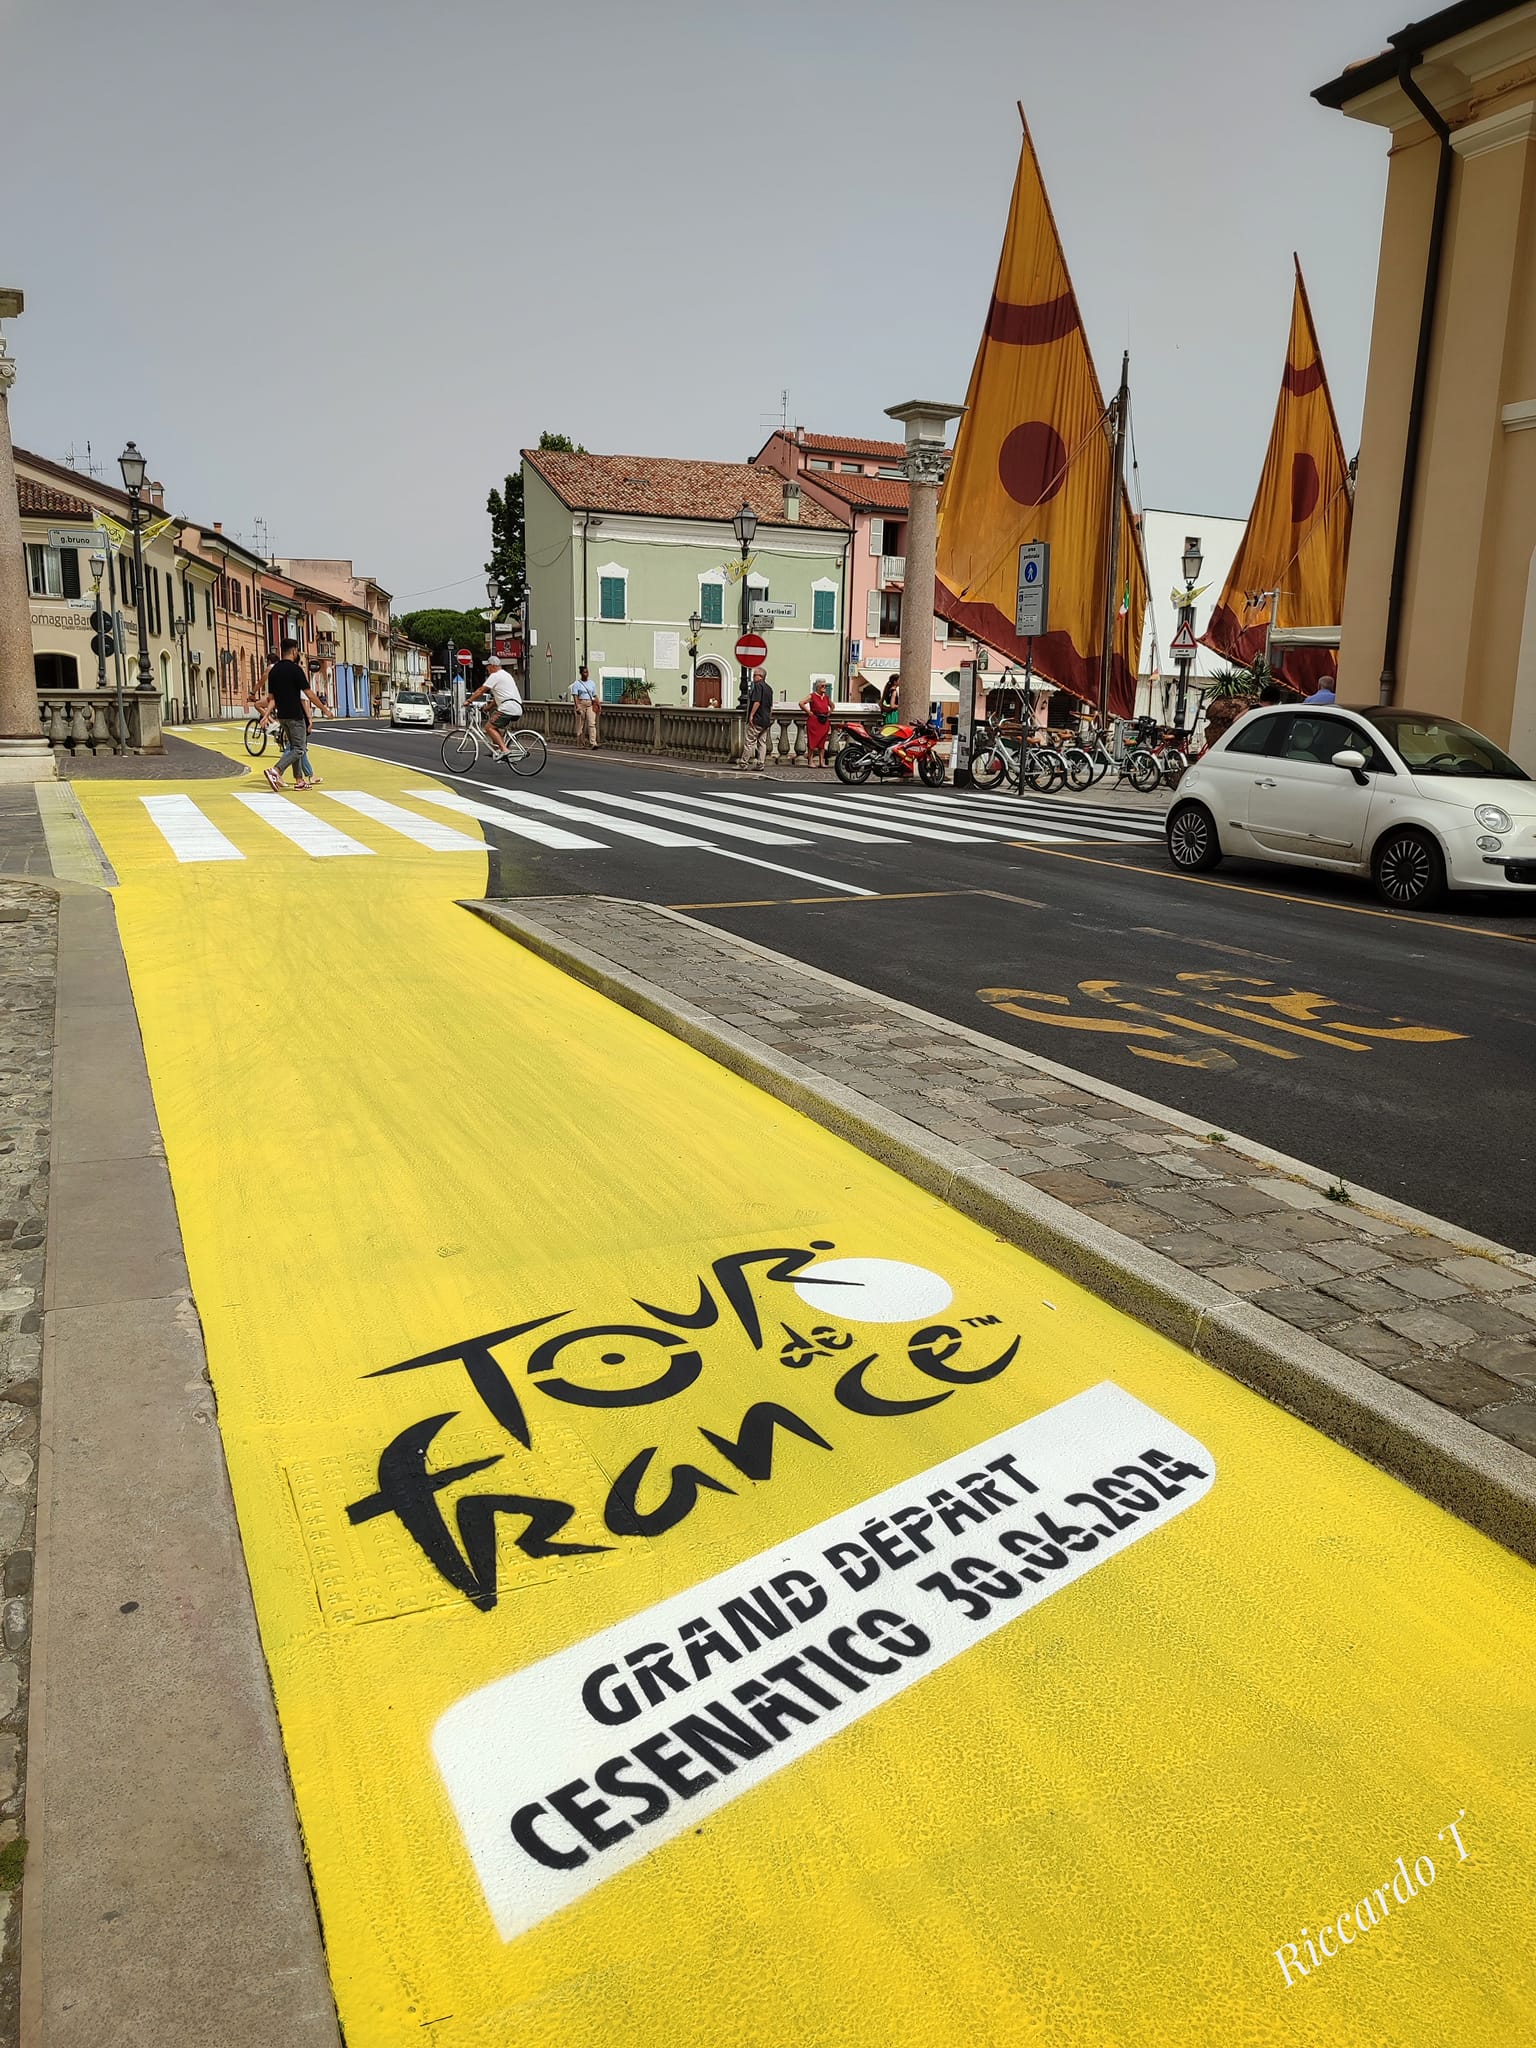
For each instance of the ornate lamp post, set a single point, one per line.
(745, 525)
(134, 467)
(925, 422)
(695, 623)
(25, 756)
(1191, 566)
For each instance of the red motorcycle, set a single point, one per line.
(889, 756)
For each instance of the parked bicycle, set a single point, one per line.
(524, 751)
(1158, 756)
(1017, 758)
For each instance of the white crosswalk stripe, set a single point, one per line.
(898, 816)
(492, 814)
(758, 835)
(423, 831)
(313, 834)
(189, 835)
(625, 828)
(1047, 819)
(750, 807)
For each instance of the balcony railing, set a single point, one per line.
(893, 569)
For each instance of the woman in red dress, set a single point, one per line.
(818, 723)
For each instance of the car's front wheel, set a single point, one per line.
(1408, 869)
(1193, 843)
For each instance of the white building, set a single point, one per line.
(1163, 535)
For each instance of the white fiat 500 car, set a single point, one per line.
(411, 707)
(1418, 802)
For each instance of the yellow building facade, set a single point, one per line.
(1440, 604)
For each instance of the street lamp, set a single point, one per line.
(745, 524)
(1190, 563)
(695, 623)
(133, 466)
(98, 570)
(493, 592)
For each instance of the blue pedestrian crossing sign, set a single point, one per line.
(1034, 589)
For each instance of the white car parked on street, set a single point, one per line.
(411, 707)
(1418, 802)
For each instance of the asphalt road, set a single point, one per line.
(1393, 1050)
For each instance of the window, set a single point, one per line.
(610, 597)
(890, 615)
(1255, 738)
(823, 611)
(896, 476)
(1313, 738)
(208, 606)
(712, 603)
(895, 541)
(52, 572)
(152, 600)
(128, 578)
(851, 468)
(814, 463)
(55, 672)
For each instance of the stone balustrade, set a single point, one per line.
(678, 730)
(85, 721)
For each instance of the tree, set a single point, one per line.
(436, 627)
(509, 557)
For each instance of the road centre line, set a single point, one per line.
(190, 835)
(821, 829)
(1279, 896)
(755, 833)
(426, 832)
(318, 839)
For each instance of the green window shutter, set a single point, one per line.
(712, 603)
(823, 611)
(610, 597)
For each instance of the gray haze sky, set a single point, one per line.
(333, 262)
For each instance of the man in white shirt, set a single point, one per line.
(585, 695)
(499, 685)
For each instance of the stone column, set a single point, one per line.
(25, 755)
(924, 468)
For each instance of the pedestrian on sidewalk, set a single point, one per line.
(818, 723)
(586, 696)
(287, 700)
(754, 751)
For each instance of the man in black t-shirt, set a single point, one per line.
(287, 697)
(754, 752)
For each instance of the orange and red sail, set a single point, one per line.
(1297, 542)
(1033, 460)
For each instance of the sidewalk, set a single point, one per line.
(1399, 1335)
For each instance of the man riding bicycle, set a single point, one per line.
(508, 710)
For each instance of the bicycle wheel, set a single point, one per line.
(988, 768)
(526, 752)
(1079, 768)
(1144, 771)
(1174, 765)
(255, 738)
(461, 750)
(1044, 770)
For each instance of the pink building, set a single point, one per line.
(862, 482)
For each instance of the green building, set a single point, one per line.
(622, 550)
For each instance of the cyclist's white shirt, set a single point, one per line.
(504, 690)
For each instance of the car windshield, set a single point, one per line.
(1441, 746)
(411, 697)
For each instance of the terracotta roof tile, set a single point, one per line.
(39, 501)
(836, 444)
(668, 488)
(885, 493)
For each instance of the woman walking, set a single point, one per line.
(818, 723)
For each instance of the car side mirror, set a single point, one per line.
(1352, 759)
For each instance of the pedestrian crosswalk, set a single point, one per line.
(722, 820)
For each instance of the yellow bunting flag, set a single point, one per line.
(1033, 461)
(1294, 552)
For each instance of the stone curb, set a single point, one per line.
(1486, 1483)
(167, 1897)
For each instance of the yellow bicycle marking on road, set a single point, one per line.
(1203, 988)
(487, 1272)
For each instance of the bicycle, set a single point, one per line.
(258, 730)
(1155, 759)
(523, 752)
(1000, 757)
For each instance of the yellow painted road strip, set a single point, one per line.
(669, 1646)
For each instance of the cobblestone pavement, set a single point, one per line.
(1458, 1325)
(182, 761)
(28, 928)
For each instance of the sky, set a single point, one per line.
(332, 263)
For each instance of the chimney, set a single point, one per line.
(156, 495)
(218, 526)
(792, 501)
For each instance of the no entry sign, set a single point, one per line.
(465, 657)
(751, 650)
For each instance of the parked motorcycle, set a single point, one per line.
(889, 756)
